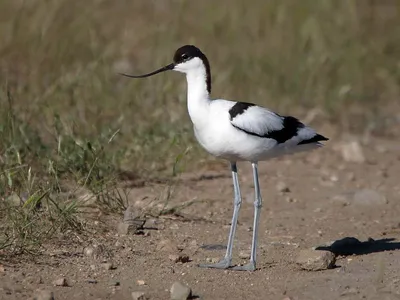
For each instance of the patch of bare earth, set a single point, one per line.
(309, 200)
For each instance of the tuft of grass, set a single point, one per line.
(41, 183)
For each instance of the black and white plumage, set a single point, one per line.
(236, 131)
(279, 128)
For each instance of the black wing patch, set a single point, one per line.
(239, 108)
(290, 127)
(316, 138)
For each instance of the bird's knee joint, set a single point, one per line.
(238, 202)
(257, 204)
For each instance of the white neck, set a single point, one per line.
(198, 96)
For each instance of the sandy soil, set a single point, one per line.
(318, 209)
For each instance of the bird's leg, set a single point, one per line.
(251, 266)
(226, 262)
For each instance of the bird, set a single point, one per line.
(236, 131)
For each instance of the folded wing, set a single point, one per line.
(261, 122)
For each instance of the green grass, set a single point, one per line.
(69, 121)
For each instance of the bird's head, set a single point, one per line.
(186, 59)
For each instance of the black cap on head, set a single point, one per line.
(188, 52)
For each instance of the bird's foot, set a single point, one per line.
(225, 263)
(251, 266)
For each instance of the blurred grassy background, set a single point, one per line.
(67, 115)
(60, 58)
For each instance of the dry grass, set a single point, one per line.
(68, 117)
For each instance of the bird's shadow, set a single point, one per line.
(352, 246)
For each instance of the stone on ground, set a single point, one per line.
(126, 229)
(108, 266)
(139, 296)
(316, 260)
(60, 282)
(180, 291)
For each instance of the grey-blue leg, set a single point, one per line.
(226, 262)
(251, 266)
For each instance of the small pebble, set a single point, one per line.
(139, 296)
(334, 178)
(174, 226)
(92, 281)
(126, 228)
(180, 291)
(60, 282)
(316, 260)
(141, 282)
(14, 200)
(89, 251)
(154, 223)
(108, 266)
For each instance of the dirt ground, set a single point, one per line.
(317, 209)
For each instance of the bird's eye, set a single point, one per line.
(184, 56)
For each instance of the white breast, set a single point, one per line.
(217, 136)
